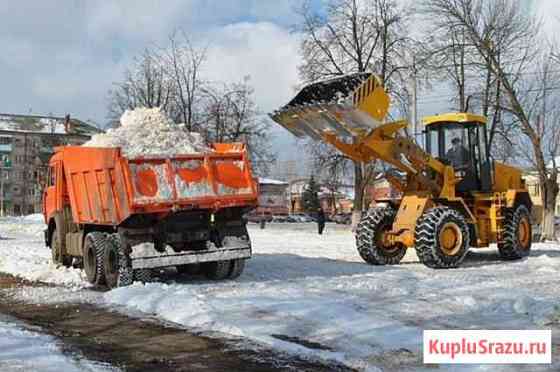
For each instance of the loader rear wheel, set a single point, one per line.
(217, 270)
(517, 235)
(118, 267)
(442, 238)
(56, 250)
(94, 250)
(372, 246)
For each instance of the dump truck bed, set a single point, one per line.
(104, 187)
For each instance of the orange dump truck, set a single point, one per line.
(99, 206)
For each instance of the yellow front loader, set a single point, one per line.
(454, 196)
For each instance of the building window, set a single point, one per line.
(5, 140)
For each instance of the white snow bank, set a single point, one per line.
(23, 253)
(145, 132)
(25, 350)
(318, 290)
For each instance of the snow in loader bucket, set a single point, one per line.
(347, 106)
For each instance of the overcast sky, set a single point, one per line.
(61, 57)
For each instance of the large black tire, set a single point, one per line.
(442, 238)
(118, 268)
(95, 245)
(237, 267)
(143, 275)
(56, 250)
(217, 270)
(517, 234)
(190, 269)
(369, 238)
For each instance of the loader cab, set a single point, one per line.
(459, 140)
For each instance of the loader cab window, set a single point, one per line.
(463, 146)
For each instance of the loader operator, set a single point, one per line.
(458, 156)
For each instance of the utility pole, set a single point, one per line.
(414, 103)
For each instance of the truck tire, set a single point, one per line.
(143, 275)
(517, 235)
(190, 269)
(442, 238)
(56, 250)
(237, 267)
(369, 238)
(118, 270)
(94, 251)
(217, 270)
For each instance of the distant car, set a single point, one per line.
(343, 218)
(280, 219)
(302, 217)
(258, 217)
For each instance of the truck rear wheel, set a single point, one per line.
(237, 267)
(369, 238)
(190, 269)
(143, 275)
(217, 270)
(56, 250)
(118, 267)
(94, 250)
(442, 238)
(517, 235)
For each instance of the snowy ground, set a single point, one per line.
(314, 296)
(22, 350)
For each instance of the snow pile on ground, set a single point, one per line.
(145, 132)
(23, 253)
(313, 295)
(24, 350)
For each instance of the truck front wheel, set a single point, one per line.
(94, 250)
(56, 250)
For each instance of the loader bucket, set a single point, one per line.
(347, 106)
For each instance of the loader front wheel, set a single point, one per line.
(94, 250)
(517, 235)
(442, 238)
(372, 246)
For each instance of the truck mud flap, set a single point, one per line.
(191, 258)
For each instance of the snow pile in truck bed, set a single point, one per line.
(145, 132)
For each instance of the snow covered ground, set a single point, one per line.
(22, 350)
(23, 253)
(314, 296)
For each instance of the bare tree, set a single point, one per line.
(145, 84)
(356, 36)
(183, 62)
(231, 115)
(509, 41)
(331, 166)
